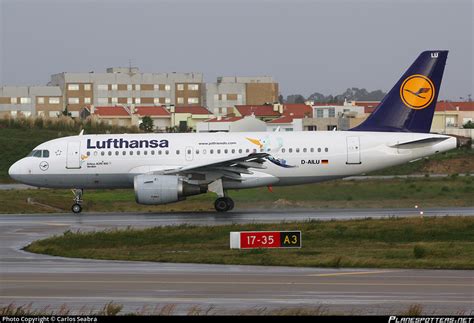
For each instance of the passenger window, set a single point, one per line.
(283, 150)
(102, 153)
(211, 151)
(167, 152)
(312, 150)
(110, 153)
(124, 152)
(152, 152)
(45, 153)
(95, 153)
(131, 152)
(116, 153)
(88, 153)
(145, 152)
(189, 151)
(226, 151)
(197, 151)
(319, 150)
(138, 152)
(247, 150)
(218, 151)
(204, 151)
(159, 152)
(240, 151)
(305, 150)
(326, 150)
(297, 150)
(233, 151)
(290, 150)
(177, 152)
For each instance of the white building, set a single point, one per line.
(231, 124)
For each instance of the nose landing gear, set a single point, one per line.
(77, 207)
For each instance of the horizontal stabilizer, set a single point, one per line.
(419, 142)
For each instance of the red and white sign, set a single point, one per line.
(265, 239)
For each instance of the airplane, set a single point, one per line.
(165, 168)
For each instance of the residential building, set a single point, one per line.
(231, 124)
(159, 114)
(130, 116)
(230, 91)
(31, 100)
(285, 123)
(452, 115)
(186, 117)
(127, 86)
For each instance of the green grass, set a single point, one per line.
(425, 192)
(446, 242)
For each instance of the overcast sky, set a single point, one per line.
(307, 46)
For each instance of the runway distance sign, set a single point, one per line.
(265, 239)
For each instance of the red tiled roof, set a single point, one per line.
(454, 106)
(224, 119)
(193, 109)
(112, 111)
(298, 110)
(152, 111)
(257, 110)
(284, 119)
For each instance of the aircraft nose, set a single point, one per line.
(15, 170)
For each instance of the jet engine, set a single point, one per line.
(162, 189)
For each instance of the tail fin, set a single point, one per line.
(410, 104)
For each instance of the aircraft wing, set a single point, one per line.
(230, 168)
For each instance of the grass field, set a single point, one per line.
(444, 242)
(425, 192)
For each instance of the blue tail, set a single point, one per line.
(410, 104)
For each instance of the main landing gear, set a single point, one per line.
(223, 204)
(77, 207)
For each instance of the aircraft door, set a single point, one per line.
(353, 150)
(189, 153)
(73, 159)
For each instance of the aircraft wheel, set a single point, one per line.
(222, 204)
(76, 208)
(231, 203)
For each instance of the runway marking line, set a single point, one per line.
(352, 273)
(222, 283)
(194, 299)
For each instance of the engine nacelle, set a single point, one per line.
(162, 189)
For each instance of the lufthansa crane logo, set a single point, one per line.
(417, 92)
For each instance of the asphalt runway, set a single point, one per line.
(84, 284)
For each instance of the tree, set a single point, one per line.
(147, 124)
(295, 98)
(468, 125)
(65, 113)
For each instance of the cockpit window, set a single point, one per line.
(39, 153)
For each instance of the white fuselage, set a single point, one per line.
(112, 161)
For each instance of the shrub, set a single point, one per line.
(419, 251)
